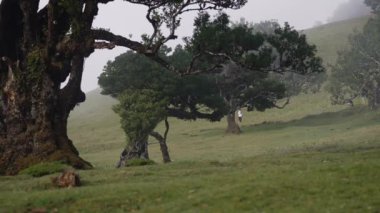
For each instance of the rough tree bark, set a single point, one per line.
(34, 108)
(232, 126)
(34, 127)
(134, 150)
(139, 149)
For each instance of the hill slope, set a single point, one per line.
(333, 37)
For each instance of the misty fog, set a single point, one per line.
(350, 9)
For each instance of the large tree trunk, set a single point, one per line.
(34, 123)
(44, 47)
(232, 126)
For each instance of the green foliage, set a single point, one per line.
(43, 169)
(36, 69)
(245, 57)
(140, 112)
(186, 95)
(133, 71)
(139, 162)
(295, 53)
(295, 83)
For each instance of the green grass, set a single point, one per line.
(336, 178)
(139, 162)
(309, 157)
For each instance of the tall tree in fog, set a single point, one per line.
(357, 72)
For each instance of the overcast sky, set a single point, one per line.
(127, 19)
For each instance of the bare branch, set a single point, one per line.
(104, 1)
(167, 12)
(104, 45)
(284, 105)
(279, 69)
(101, 34)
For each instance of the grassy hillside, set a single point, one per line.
(309, 157)
(333, 37)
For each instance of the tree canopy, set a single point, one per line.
(242, 59)
(189, 97)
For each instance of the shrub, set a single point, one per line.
(42, 169)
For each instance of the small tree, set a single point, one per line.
(140, 112)
(357, 71)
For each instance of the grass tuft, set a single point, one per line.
(139, 162)
(43, 169)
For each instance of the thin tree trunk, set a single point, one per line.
(232, 126)
(377, 97)
(162, 141)
(163, 145)
(374, 96)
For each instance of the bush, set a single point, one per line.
(139, 162)
(42, 169)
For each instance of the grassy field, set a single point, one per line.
(309, 157)
(325, 162)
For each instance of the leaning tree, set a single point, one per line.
(41, 49)
(243, 58)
